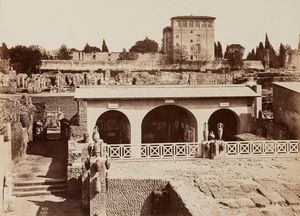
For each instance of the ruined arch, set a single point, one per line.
(169, 123)
(114, 127)
(230, 120)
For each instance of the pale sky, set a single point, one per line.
(50, 23)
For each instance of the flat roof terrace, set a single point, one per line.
(164, 91)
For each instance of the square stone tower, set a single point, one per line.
(192, 36)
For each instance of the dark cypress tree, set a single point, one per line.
(251, 55)
(104, 47)
(216, 50)
(260, 53)
(282, 55)
(219, 50)
(226, 52)
(267, 43)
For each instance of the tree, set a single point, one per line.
(235, 55)
(219, 50)
(104, 47)
(282, 55)
(4, 52)
(199, 56)
(180, 55)
(251, 55)
(124, 55)
(145, 46)
(91, 49)
(260, 53)
(63, 53)
(226, 52)
(25, 59)
(216, 50)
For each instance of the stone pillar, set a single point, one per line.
(136, 138)
(82, 114)
(97, 186)
(74, 169)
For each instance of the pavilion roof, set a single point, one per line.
(163, 91)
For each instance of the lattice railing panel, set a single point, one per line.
(169, 150)
(268, 147)
(119, 151)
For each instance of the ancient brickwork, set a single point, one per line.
(131, 196)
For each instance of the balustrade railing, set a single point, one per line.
(266, 147)
(170, 150)
(194, 149)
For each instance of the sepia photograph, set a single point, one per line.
(149, 108)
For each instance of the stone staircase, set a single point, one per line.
(39, 187)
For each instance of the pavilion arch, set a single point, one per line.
(114, 127)
(230, 120)
(168, 124)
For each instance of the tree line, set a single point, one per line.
(276, 59)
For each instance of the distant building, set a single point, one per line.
(193, 36)
(286, 106)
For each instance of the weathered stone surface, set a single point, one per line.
(245, 202)
(252, 212)
(260, 201)
(290, 197)
(231, 203)
(296, 208)
(273, 196)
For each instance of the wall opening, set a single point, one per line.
(230, 121)
(169, 123)
(114, 127)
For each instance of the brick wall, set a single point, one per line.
(134, 197)
(130, 197)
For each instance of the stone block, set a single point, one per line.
(273, 196)
(217, 194)
(296, 209)
(260, 201)
(231, 203)
(245, 203)
(290, 197)
(9, 204)
(252, 212)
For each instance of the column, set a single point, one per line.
(136, 137)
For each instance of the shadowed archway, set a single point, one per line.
(169, 123)
(230, 121)
(114, 127)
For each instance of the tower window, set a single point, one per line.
(184, 24)
(192, 57)
(191, 32)
(177, 36)
(197, 24)
(209, 24)
(191, 24)
(191, 41)
(178, 23)
(204, 24)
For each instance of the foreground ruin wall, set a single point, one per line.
(134, 197)
(286, 109)
(6, 164)
(131, 196)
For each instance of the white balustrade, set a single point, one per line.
(192, 149)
